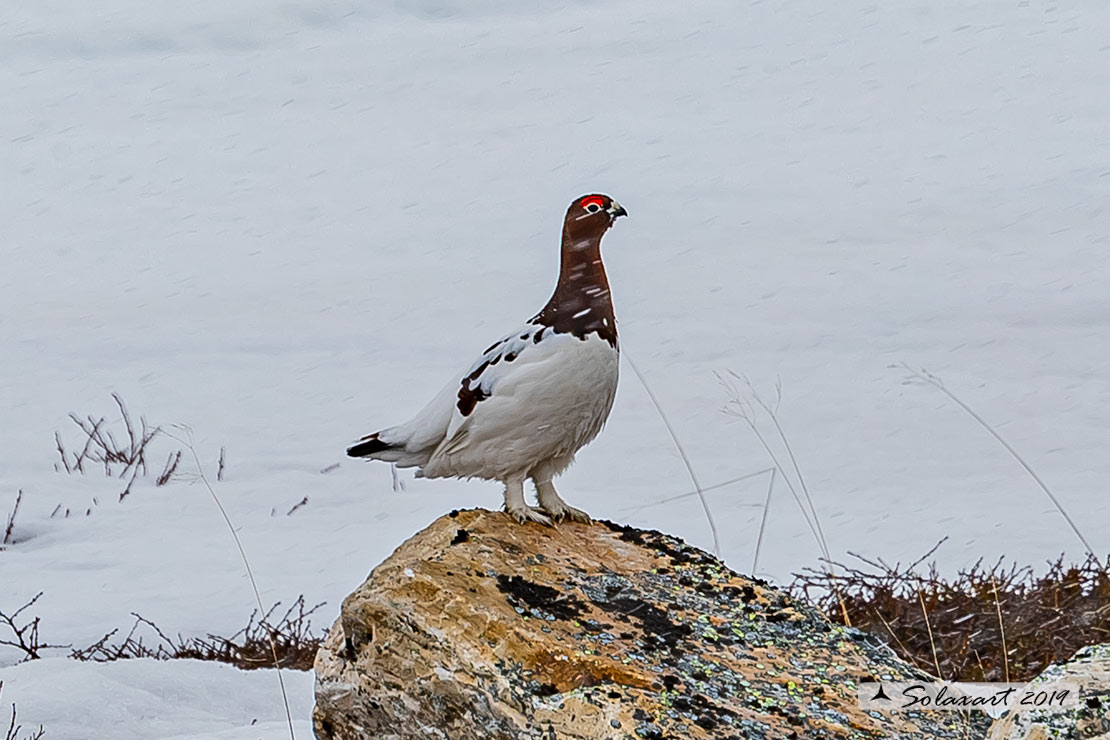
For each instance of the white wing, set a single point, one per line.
(413, 442)
(500, 369)
(534, 396)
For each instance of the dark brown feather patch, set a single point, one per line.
(469, 397)
(581, 304)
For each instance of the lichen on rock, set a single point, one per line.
(1089, 670)
(478, 628)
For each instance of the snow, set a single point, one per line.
(141, 699)
(284, 224)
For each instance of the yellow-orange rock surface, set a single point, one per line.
(479, 628)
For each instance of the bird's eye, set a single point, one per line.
(593, 205)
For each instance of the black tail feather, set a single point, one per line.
(367, 446)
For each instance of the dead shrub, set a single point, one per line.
(25, 636)
(1041, 619)
(125, 458)
(250, 647)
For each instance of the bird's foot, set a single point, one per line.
(553, 505)
(524, 514)
(561, 511)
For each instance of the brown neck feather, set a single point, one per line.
(581, 303)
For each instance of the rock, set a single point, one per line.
(479, 628)
(1090, 669)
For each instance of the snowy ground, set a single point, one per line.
(286, 223)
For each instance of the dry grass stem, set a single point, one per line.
(681, 453)
(763, 521)
(1001, 628)
(740, 407)
(929, 629)
(706, 489)
(188, 442)
(925, 376)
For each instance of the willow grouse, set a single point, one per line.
(536, 396)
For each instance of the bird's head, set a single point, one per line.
(591, 216)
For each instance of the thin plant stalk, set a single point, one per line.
(681, 453)
(905, 650)
(929, 629)
(706, 489)
(188, 442)
(791, 487)
(1002, 629)
(793, 461)
(818, 532)
(744, 411)
(937, 383)
(763, 520)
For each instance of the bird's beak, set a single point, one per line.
(616, 209)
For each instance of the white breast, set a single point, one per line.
(552, 398)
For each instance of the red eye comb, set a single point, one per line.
(593, 200)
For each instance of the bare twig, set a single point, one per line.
(25, 637)
(220, 467)
(126, 457)
(927, 377)
(14, 728)
(681, 453)
(100, 446)
(297, 505)
(168, 469)
(62, 453)
(11, 519)
(92, 432)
